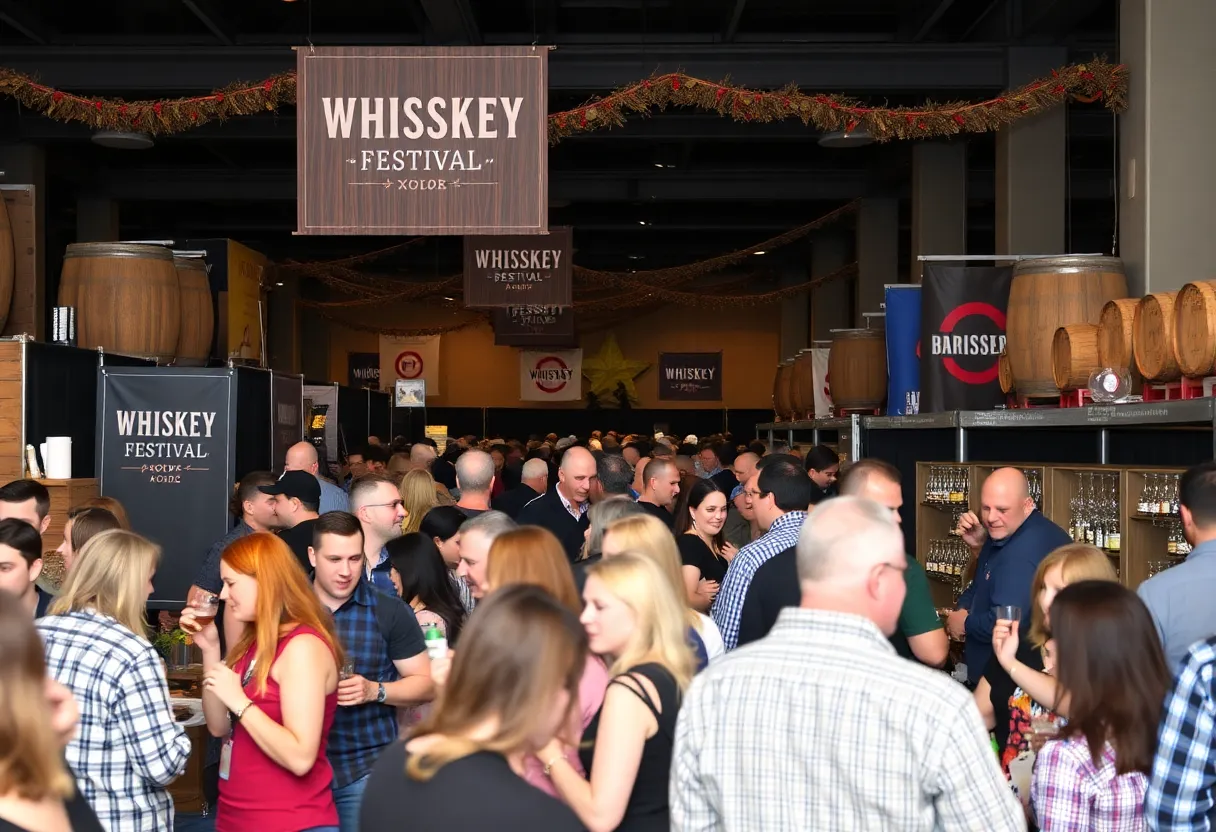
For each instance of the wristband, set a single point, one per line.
(236, 715)
(548, 767)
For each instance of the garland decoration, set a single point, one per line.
(1096, 80)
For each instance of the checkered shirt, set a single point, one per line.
(820, 725)
(1070, 793)
(128, 748)
(728, 608)
(1180, 794)
(361, 732)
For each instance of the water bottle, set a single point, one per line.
(436, 642)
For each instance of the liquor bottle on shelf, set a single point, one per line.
(1143, 506)
(1114, 537)
(1035, 486)
(1165, 498)
(958, 485)
(1174, 504)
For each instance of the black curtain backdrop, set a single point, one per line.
(380, 415)
(253, 420)
(903, 449)
(352, 420)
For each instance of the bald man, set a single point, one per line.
(563, 510)
(534, 481)
(828, 671)
(1009, 539)
(302, 456)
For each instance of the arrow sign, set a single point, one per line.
(386, 184)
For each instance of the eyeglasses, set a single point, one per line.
(393, 504)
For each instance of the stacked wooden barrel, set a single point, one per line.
(857, 366)
(783, 406)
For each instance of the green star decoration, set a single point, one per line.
(610, 367)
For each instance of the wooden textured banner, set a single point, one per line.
(413, 140)
(534, 326)
(512, 271)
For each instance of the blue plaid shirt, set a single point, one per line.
(360, 732)
(380, 576)
(1180, 795)
(728, 607)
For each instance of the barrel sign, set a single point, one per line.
(903, 349)
(962, 335)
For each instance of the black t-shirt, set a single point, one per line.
(1003, 686)
(80, 817)
(503, 800)
(299, 538)
(659, 512)
(694, 552)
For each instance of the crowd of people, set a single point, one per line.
(615, 632)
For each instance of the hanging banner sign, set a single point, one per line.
(422, 140)
(509, 271)
(824, 407)
(287, 411)
(962, 333)
(363, 370)
(166, 452)
(690, 376)
(554, 376)
(534, 326)
(411, 358)
(903, 349)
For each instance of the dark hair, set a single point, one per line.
(425, 576)
(18, 491)
(774, 458)
(247, 489)
(757, 447)
(1196, 491)
(341, 523)
(375, 453)
(643, 447)
(791, 488)
(691, 498)
(613, 473)
(442, 522)
(20, 535)
(88, 522)
(1110, 662)
(503, 449)
(858, 474)
(821, 457)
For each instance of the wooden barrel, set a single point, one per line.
(198, 316)
(1074, 355)
(1153, 337)
(1004, 372)
(1195, 328)
(781, 391)
(803, 393)
(1048, 293)
(1115, 333)
(8, 263)
(787, 389)
(127, 298)
(857, 367)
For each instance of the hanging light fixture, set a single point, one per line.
(859, 137)
(123, 139)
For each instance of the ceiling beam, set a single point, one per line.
(732, 24)
(981, 18)
(28, 23)
(210, 17)
(861, 68)
(452, 21)
(923, 18)
(1054, 17)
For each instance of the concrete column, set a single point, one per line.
(877, 254)
(282, 334)
(832, 302)
(1030, 166)
(96, 219)
(1167, 177)
(795, 312)
(939, 200)
(25, 164)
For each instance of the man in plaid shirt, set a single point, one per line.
(383, 645)
(1180, 795)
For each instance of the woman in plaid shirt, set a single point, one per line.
(1110, 664)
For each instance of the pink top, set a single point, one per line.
(259, 793)
(410, 715)
(591, 689)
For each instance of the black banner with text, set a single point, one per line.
(690, 376)
(535, 326)
(363, 370)
(286, 407)
(165, 451)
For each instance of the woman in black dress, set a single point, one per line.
(704, 551)
(634, 620)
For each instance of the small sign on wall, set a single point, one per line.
(690, 376)
(534, 326)
(553, 376)
(363, 370)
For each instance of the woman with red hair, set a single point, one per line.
(273, 698)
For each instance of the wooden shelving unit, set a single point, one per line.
(1064, 483)
(1147, 534)
(935, 522)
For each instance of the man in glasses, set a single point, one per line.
(374, 499)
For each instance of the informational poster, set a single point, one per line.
(824, 406)
(552, 376)
(409, 393)
(903, 349)
(244, 302)
(363, 370)
(517, 270)
(422, 140)
(962, 335)
(287, 411)
(166, 452)
(535, 326)
(326, 395)
(690, 376)
(440, 434)
(410, 358)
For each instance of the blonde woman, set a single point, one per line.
(418, 493)
(129, 748)
(636, 620)
(1018, 685)
(37, 718)
(649, 536)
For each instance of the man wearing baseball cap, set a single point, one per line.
(297, 497)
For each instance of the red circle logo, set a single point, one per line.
(409, 364)
(958, 314)
(550, 374)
